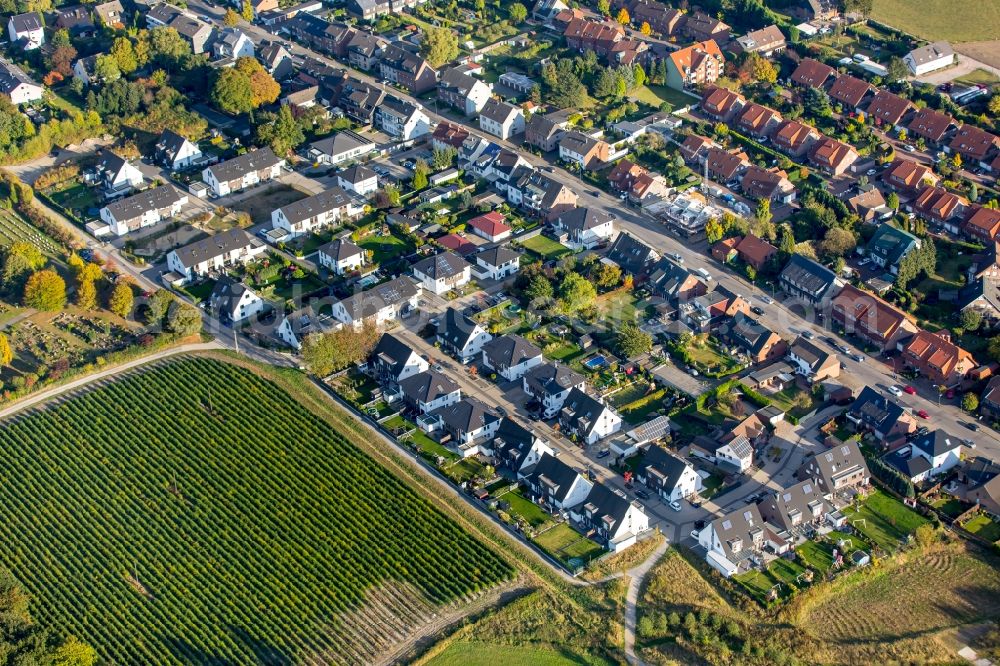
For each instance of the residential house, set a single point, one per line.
(766, 41)
(501, 119)
(670, 477)
(117, 175)
(811, 73)
(295, 327)
(890, 245)
(870, 318)
(721, 104)
(428, 391)
(540, 194)
(585, 227)
(936, 357)
(889, 110)
(638, 183)
(869, 204)
(838, 470)
(726, 167)
(734, 543)
(554, 485)
(598, 36)
(928, 455)
(393, 360)
(610, 518)
(632, 255)
(459, 89)
(143, 209)
(701, 27)
(260, 7)
(550, 384)
(662, 19)
(982, 480)
(380, 304)
(808, 280)
(75, 20)
(725, 250)
(675, 283)
(832, 157)
(695, 65)
(369, 9)
(195, 32)
(974, 145)
(517, 82)
(695, 149)
(510, 356)
(817, 10)
(231, 44)
(982, 223)
(361, 101)
(233, 302)
(794, 138)
(588, 418)
(176, 152)
(851, 93)
(470, 424)
(400, 119)
(276, 60)
(26, 30)
(111, 14)
(545, 10)
(544, 131)
(516, 448)
(497, 263)
(344, 146)
(358, 179)
(874, 413)
(983, 296)
(812, 362)
(330, 207)
(770, 184)
(731, 455)
(161, 15)
(755, 251)
(364, 50)
(239, 173)
(940, 205)
(341, 256)
(709, 311)
(989, 401)
(929, 58)
(757, 341)
(461, 336)
(407, 70)
(908, 176)
(443, 272)
(583, 150)
(490, 226)
(16, 86)
(931, 126)
(794, 508)
(758, 121)
(224, 249)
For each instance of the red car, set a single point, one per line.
(922, 413)
(910, 390)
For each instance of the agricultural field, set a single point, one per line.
(196, 512)
(941, 19)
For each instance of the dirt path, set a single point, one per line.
(636, 576)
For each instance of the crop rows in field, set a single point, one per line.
(195, 513)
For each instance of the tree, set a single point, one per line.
(763, 212)
(279, 130)
(540, 288)
(124, 55)
(246, 11)
(6, 352)
(167, 46)
(897, 70)
(970, 402)
(714, 231)
(816, 102)
(420, 171)
(837, 242)
(517, 13)
(62, 60)
(994, 106)
(121, 299)
(639, 74)
(324, 353)
(606, 275)
(156, 307)
(632, 340)
(183, 319)
(971, 320)
(45, 290)
(604, 84)
(231, 17)
(440, 45)
(106, 68)
(918, 261)
(231, 92)
(391, 194)
(604, 7)
(863, 7)
(86, 295)
(993, 348)
(576, 293)
(19, 260)
(264, 89)
(645, 29)
(892, 201)
(787, 239)
(623, 16)
(758, 68)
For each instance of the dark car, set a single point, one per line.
(974, 427)
(757, 310)
(830, 341)
(698, 524)
(603, 453)
(642, 494)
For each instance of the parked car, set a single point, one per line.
(830, 341)
(922, 413)
(808, 335)
(767, 299)
(757, 310)
(675, 505)
(974, 427)
(642, 494)
(896, 391)
(858, 357)
(677, 257)
(603, 453)
(909, 390)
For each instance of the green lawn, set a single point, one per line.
(464, 470)
(620, 306)
(484, 654)
(817, 555)
(950, 506)
(564, 543)
(545, 247)
(525, 508)
(786, 400)
(385, 248)
(705, 356)
(757, 584)
(984, 527)
(656, 95)
(428, 447)
(787, 571)
(941, 19)
(886, 520)
(567, 352)
(643, 408)
(978, 76)
(76, 197)
(712, 485)
(201, 291)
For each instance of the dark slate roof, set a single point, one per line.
(937, 442)
(581, 219)
(497, 256)
(512, 435)
(455, 328)
(748, 333)
(891, 244)
(498, 110)
(11, 76)
(552, 378)
(911, 466)
(808, 275)
(877, 411)
(137, 204)
(608, 506)
(226, 294)
(558, 473)
(582, 405)
(26, 22)
(739, 524)
(837, 459)
(466, 415)
(221, 243)
(341, 142)
(666, 277)
(357, 174)
(170, 144)
(441, 266)
(510, 350)
(393, 351)
(369, 302)
(330, 199)
(427, 386)
(810, 352)
(665, 464)
(255, 160)
(631, 254)
(340, 249)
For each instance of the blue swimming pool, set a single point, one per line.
(595, 362)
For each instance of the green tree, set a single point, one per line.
(246, 11)
(45, 290)
(124, 55)
(167, 47)
(517, 13)
(183, 319)
(231, 17)
(764, 211)
(439, 46)
(607, 275)
(86, 295)
(420, 172)
(391, 194)
(892, 201)
(106, 68)
(897, 70)
(993, 348)
(281, 131)
(19, 260)
(970, 402)
(640, 75)
(540, 287)
(604, 83)
(645, 28)
(837, 242)
(156, 307)
(994, 106)
(971, 320)
(324, 353)
(121, 300)
(714, 231)
(6, 352)
(632, 341)
(816, 102)
(787, 239)
(576, 293)
(604, 7)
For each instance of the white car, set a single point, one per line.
(694, 534)
(675, 505)
(896, 391)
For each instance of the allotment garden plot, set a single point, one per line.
(196, 513)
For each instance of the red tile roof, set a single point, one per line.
(888, 108)
(490, 223)
(812, 72)
(849, 90)
(974, 143)
(930, 124)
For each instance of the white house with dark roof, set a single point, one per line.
(296, 326)
(358, 179)
(461, 336)
(330, 207)
(276, 60)
(550, 384)
(809, 280)
(117, 175)
(929, 58)
(401, 119)
(585, 228)
(497, 263)
(554, 485)
(632, 255)
(231, 44)
(341, 147)
(735, 542)
(26, 30)
(176, 152)
(143, 209)
(667, 475)
(471, 425)
(928, 455)
(516, 448)
(233, 302)
(341, 256)
(393, 360)
(226, 248)
(380, 304)
(429, 390)
(836, 470)
(461, 90)
(501, 119)
(796, 508)
(17, 86)
(443, 272)
(610, 518)
(239, 173)
(588, 418)
(510, 356)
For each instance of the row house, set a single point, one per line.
(931, 126)
(908, 176)
(331, 207)
(770, 184)
(516, 448)
(889, 110)
(227, 248)
(794, 138)
(871, 318)
(758, 121)
(638, 183)
(795, 508)
(810, 281)
(976, 146)
(812, 73)
(549, 384)
(832, 157)
(701, 27)
(694, 149)
(143, 209)
(460, 335)
(554, 485)
(721, 104)
(597, 36)
(393, 360)
(726, 167)
(982, 223)
(341, 256)
(610, 518)
(379, 305)
(407, 70)
(470, 424)
(239, 173)
(936, 357)
(939, 205)
(429, 390)
(852, 93)
(662, 19)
